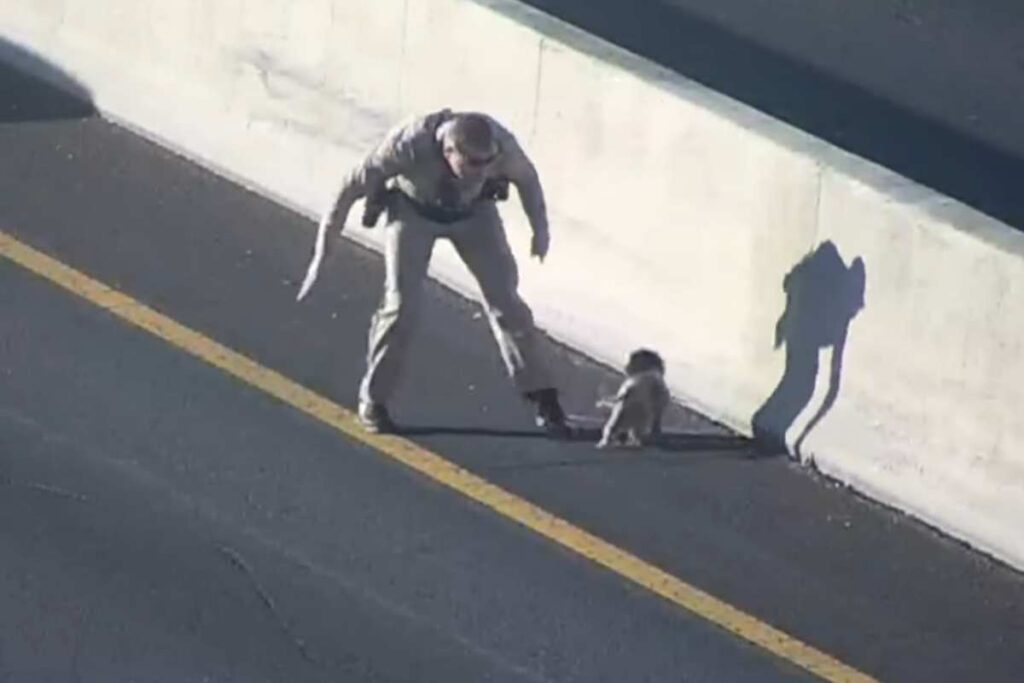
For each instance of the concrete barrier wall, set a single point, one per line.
(681, 220)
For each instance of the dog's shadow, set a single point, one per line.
(681, 442)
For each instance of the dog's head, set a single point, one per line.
(644, 360)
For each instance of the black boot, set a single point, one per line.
(549, 416)
(375, 418)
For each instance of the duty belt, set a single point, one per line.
(436, 212)
(494, 189)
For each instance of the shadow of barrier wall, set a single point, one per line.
(23, 98)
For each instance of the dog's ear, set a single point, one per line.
(634, 363)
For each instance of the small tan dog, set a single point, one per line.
(637, 408)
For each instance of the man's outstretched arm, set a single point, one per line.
(518, 168)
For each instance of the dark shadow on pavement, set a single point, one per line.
(411, 431)
(823, 296)
(669, 441)
(702, 442)
(33, 89)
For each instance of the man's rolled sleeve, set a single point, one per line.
(518, 168)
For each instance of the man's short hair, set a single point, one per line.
(472, 134)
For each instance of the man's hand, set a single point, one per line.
(374, 205)
(539, 245)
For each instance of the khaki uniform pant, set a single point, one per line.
(481, 243)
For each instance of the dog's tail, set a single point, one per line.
(318, 255)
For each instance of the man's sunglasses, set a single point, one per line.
(476, 162)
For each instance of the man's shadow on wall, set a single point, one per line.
(823, 296)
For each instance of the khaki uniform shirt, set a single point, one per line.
(411, 158)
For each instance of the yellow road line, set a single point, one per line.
(434, 466)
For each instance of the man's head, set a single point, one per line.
(468, 144)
